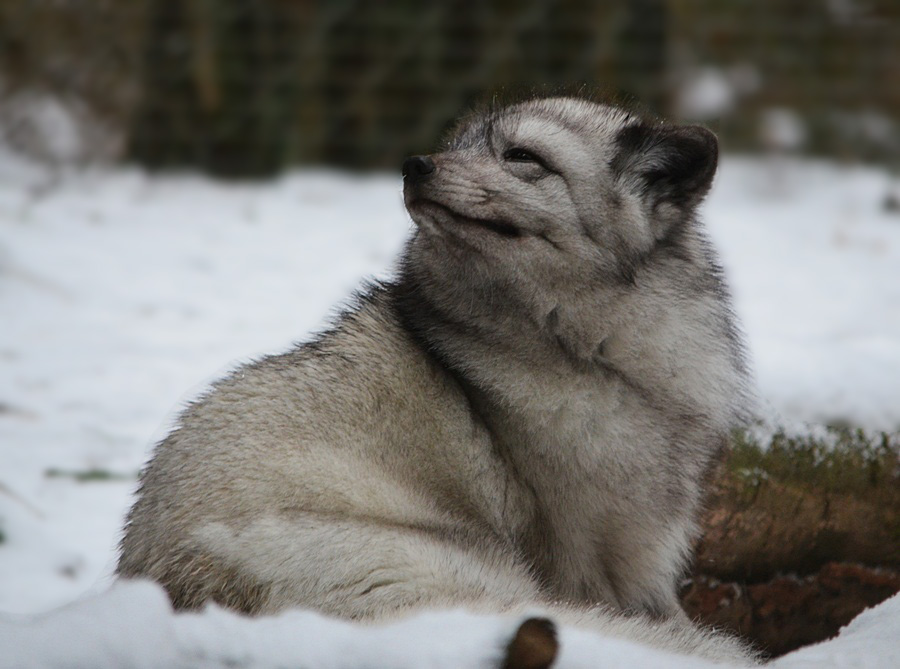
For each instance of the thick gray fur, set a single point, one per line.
(524, 417)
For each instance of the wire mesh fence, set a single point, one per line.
(246, 87)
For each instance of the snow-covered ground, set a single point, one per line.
(122, 295)
(132, 625)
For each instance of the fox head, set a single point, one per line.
(534, 207)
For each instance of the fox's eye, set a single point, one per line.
(518, 155)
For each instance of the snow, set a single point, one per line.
(133, 625)
(814, 261)
(782, 130)
(122, 295)
(707, 93)
(59, 130)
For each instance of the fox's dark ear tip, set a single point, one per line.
(701, 131)
(704, 136)
(702, 147)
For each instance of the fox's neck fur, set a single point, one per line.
(530, 359)
(549, 381)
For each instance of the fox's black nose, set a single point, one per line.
(416, 168)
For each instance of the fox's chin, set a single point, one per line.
(428, 213)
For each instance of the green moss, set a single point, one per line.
(844, 460)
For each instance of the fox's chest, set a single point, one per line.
(604, 477)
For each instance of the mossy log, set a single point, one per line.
(799, 536)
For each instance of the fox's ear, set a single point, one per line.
(674, 164)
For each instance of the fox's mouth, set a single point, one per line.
(441, 212)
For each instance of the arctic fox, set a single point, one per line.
(523, 417)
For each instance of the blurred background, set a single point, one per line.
(189, 183)
(244, 88)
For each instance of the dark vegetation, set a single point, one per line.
(801, 534)
(242, 88)
(89, 475)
